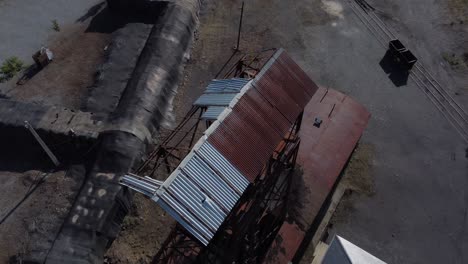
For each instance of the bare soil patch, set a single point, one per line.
(77, 56)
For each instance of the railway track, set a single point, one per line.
(439, 96)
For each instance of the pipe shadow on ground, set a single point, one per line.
(114, 17)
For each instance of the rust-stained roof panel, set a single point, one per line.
(262, 115)
(293, 86)
(295, 70)
(270, 87)
(267, 111)
(285, 85)
(228, 145)
(323, 154)
(234, 138)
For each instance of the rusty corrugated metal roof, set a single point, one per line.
(322, 157)
(270, 104)
(231, 154)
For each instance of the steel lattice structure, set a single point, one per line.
(251, 227)
(242, 197)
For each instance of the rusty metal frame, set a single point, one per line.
(262, 207)
(249, 230)
(174, 147)
(165, 153)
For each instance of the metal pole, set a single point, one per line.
(195, 129)
(240, 27)
(42, 143)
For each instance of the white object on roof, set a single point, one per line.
(341, 251)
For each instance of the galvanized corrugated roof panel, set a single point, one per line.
(219, 94)
(226, 86)
(212, 112)
(211, 183)
(188, 224)
(215, 99)
(214, 158)
(202, 190)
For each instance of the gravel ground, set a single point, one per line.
(33, 225)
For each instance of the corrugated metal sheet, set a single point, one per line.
(242, 129)
(226, 86)
(145, 185)
(202, 191)
(285, 85)
(212, 112)
(267, 111)
(209, 182)
(263, 115)
(221, 92)
(215, 99)
(223, 167)
(218, 95)
(299, 75)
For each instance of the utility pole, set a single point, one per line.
(42, 143)
(240, 27)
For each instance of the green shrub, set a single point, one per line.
(452, 59)
(55, 25)
(10, 68)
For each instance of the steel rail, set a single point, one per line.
(444, 102)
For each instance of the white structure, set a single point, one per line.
(341, 251)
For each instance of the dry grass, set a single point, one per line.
(357, 179)
(459, 10)
(357, 176)
(456, 62)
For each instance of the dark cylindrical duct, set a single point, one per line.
(96, 215)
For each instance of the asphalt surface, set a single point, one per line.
(418, 211)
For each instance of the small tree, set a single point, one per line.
(55, 25)
(10, 68)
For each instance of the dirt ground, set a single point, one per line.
(32, 224)
(143, 232)
(34, 209)
(65, 81)
(27, 25)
